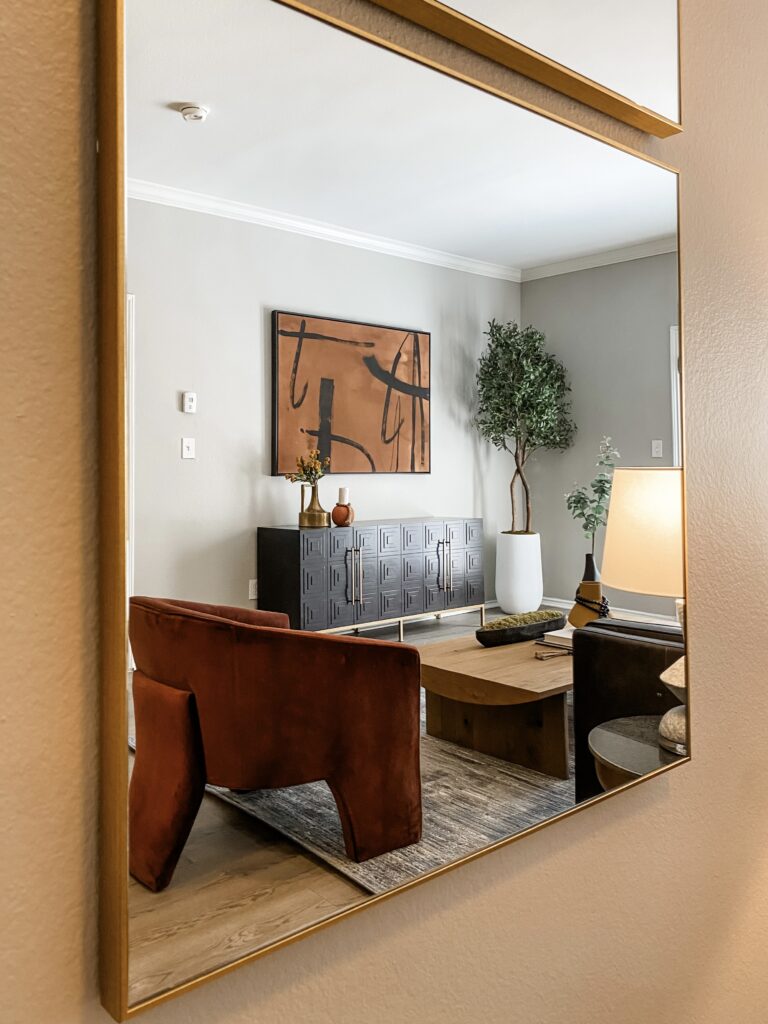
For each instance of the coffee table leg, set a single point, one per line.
(554, 736)
(533, 734)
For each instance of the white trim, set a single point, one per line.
(617, 613)
(198, 202)
(167, 195)
(658, 247)
(674, 372)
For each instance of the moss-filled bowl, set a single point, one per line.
(513, 629)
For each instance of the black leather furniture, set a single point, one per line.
(616, 669)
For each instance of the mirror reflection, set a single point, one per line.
(630, 48)
(453, 326)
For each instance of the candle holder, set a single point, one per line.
(343, 514)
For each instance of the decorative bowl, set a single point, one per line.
(513, 629)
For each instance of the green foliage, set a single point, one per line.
(523, 402)
(524, 619)
(592, 508)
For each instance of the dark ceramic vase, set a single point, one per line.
(591, 572)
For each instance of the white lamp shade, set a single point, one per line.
(644, 537)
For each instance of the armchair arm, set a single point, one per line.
(308, 698)
(306, 707)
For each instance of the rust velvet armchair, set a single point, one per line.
(235, 698)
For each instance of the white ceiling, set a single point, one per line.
(313, 123)
(628, 45)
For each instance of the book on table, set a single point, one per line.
(558, 638)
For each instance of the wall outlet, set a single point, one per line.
(253, 592)
(189, 402)
(188, 448)
(657, 449)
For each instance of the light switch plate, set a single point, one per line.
(657, 449)
(252, 591)
(188, 448)
(189, 401)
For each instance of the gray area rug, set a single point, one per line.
(469, 801)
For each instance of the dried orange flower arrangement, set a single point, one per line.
(309, 468)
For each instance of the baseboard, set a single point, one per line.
(617, 613)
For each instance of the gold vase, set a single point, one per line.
(314, 515)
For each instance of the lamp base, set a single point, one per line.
(673, 731)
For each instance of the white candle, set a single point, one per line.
(343, 495)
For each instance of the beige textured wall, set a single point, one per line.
(651, 907)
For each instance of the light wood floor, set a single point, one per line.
(239, 885)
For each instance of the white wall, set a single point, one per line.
(205, 287)
(610, 327)
(652, 906)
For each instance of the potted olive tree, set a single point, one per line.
(523, 406)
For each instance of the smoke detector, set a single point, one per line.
(193, 112)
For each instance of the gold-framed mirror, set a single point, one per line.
(334, 195)
(621, 58)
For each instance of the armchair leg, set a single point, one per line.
(378, 813)
(168, 779)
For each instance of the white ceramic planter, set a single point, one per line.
(519, 583)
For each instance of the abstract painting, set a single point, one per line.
(358, 392)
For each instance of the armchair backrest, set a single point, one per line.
(269, 698)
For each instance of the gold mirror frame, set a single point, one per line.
(113, 843)
(451, 24)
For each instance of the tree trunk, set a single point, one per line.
(513, 498)
(520, 462)
(527, 490)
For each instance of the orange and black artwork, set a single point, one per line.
(357, 392)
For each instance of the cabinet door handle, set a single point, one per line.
(440, 570)
(450, 566)
(360, 570)
(351, 552)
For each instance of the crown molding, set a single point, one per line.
(658, 247)
(197, 202)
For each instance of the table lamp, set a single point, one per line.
(644, 554)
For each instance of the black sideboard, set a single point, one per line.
(385, 570)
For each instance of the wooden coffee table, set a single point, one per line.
(501, 701)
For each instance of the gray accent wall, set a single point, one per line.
(611, 328)
(204, 289)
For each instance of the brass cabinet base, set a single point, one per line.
(401, 620)
(533, 734)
